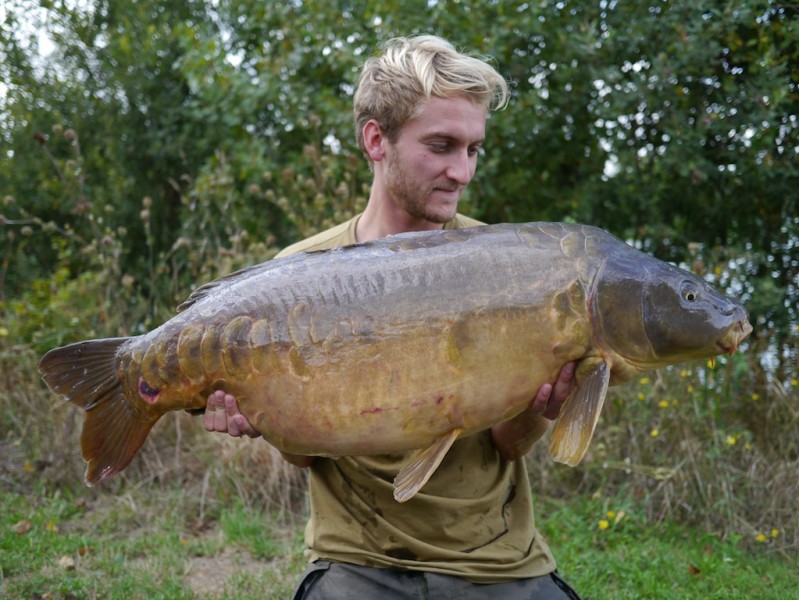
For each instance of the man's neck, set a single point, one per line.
(380, 219)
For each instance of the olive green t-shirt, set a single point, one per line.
(472, 519)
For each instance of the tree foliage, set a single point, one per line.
(169, 141)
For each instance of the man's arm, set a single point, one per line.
(515, 438)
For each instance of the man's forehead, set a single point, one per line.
(449, 117)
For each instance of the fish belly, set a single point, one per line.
(402, 392)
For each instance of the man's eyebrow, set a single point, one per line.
(442, 135)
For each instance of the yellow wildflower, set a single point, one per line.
(795, 382)
(663, 404)
(641, 396)
(760, 538)
(711, 362)
(755, 397)
(655, 432)
(644, 381)
(775, 532)
(3, 332)
(684, 373)
(731, 440)
(690, 389)
(611, 514)
(604, 524)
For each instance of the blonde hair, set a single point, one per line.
(395, 84)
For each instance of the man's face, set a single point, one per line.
(434, 158)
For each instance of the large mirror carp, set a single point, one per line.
(404, 343)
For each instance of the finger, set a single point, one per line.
(244, 426)
(541, 400)
(231, 410)
(211, 406)
(561, 390)
(220, 418)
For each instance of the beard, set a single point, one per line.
(416, 197)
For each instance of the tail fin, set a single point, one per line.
(114, 429)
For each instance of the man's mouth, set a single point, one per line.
(446, 189)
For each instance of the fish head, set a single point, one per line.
(654, 314)
(686, 318)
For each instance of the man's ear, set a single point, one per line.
(374, 140)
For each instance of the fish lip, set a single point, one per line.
(735, 337)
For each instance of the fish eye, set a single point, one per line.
(690, 292)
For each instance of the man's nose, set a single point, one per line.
(461, 169)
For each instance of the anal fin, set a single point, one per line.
(578, 417)
(415, 473)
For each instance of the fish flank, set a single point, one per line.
(299, 322)
(167, 359)
(264, 359)
(150, 368)
(190, 353)
(210, 350)
(236, 348)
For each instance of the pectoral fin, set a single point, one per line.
(579, 415)
(415, 473)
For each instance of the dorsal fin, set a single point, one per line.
(232, 278)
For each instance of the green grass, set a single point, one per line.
(606, 550)
(152, 543)
(140, 545)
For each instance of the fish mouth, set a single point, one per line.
(735, 335)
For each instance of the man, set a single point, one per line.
(420, 116)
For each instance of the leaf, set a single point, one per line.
(21, 527)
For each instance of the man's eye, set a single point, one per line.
(439, 148)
